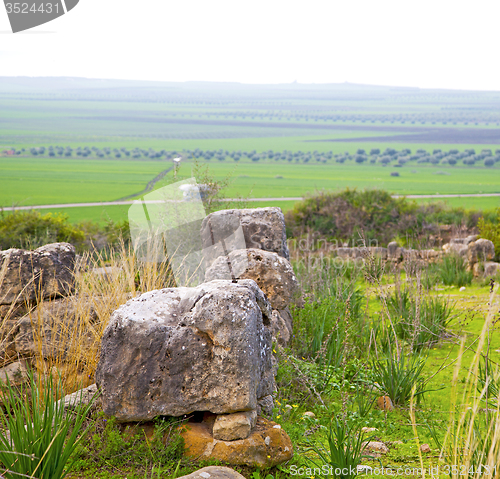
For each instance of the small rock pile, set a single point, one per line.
(34, 300)
(205, 352)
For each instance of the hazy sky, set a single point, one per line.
(425, 43)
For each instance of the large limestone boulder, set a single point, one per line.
(263, 228)
(480, 250)
(273, 274)
(25, 276)
(178, 350)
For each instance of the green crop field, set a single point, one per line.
(109, 139)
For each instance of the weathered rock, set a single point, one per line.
(265, 405)
(394, 252)
(268, 445)
(281, 326)
(456, 248)
(229, 427)
(214, 472)
(425, 448)
(480, 250)
(273, 274)
(487, 270)
(179, 350)
(16, 372)
(385, 403)
(80, 398)
(29, 275)
(263, 228)
(52, 328)
(378, 251)
(375, 446)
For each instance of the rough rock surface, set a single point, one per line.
(385, 403)
(229, 427)
(273, 274)
(480, 250)
(214, 472)
(16, 372)
(487, 270)
(375, 446)
(178, 350)
(45, 272)
(267, 445)
(263, 228)
(83, 397)
(281, 326)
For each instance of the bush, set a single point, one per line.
(419, 323)
(450, 271)
(372, 214)
(31, 229)
(397, 376)
(490, 230)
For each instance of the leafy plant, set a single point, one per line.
(397, 376)
(420, 323)
(450, 271)
(491, 231)
(344, 448)
(38, 435)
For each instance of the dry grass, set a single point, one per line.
(66, 333)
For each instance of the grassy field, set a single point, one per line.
(167, 116)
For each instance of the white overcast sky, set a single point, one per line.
(425, 43)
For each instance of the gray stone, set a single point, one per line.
(480, 250)
(16, 372)
(178, 350)
(29, 275)
(486, 270)
(263, 228)
(273, 274)
(214, 472)
(231, 427)
(281, 326)
(265, 405)
(394, 252)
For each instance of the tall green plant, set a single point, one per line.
(397, 376)
(343, 451)
(38, 435)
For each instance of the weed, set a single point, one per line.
(39, 435)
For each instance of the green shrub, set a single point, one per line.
(31, 229)
(371, 214)
(419, 323)
(491, 231)
(397, 376)
(450, 271)
(344, 448)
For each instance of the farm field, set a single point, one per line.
(329, 119)
(37, 181)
